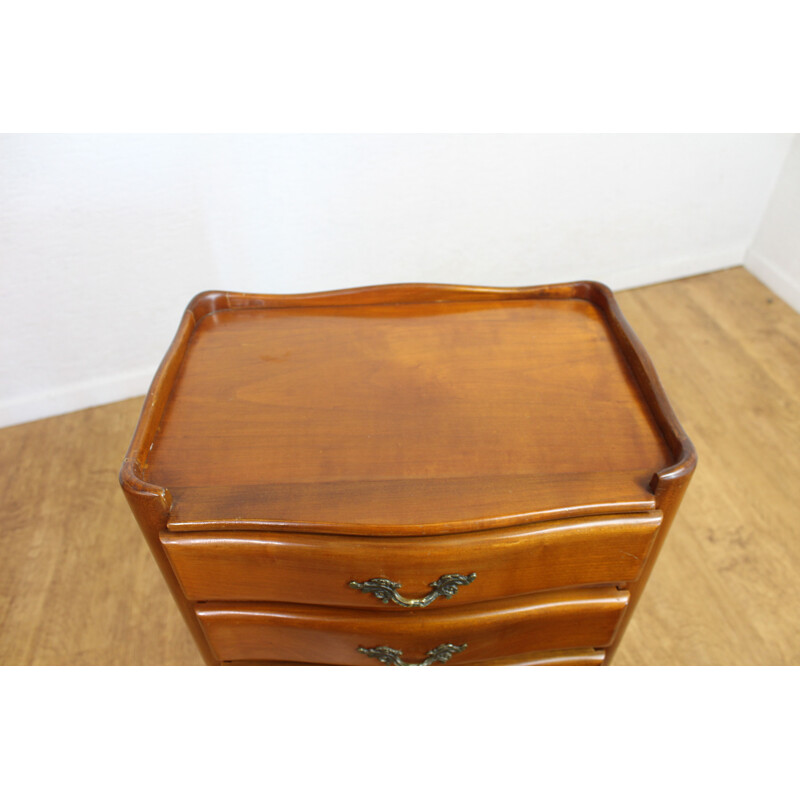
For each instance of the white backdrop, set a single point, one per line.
(774, 255)
(105, 238)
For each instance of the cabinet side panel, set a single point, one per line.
(668, 497)
(149, 510)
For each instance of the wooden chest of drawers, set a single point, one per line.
(410, 474)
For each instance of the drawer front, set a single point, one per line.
(319, 569)
(585, 618)
(582, 657)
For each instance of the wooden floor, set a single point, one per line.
(78, 585)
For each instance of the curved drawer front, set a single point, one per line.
(581, 657)
(585, 618)
(318, 569)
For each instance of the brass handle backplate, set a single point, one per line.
(392, 657)
(386, 590)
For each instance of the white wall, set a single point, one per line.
(103, 239)
(774, 255)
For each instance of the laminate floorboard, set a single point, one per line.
(79, 586)
(725, 589)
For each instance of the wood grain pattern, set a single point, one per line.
(403, 417)
(309, 568)
(77, 580)
(400, 410)
(578, 657)
(78, 585)
(495, 500)
(587, 657)
(316, 634)
(725, 589)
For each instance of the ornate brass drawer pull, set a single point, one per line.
(392, 657)
(386, 590)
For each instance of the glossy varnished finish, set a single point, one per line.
(292, 444)
(317, 568)
(578, 657)
(402, 417)
(78, 584)
(585, 657)
(284, 632)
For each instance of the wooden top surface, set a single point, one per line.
(387, 416)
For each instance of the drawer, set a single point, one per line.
(585, 618)
(582, 657)
(318, 569)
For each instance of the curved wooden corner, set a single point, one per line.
(146, 499)
(682, 449)
(206, 303)
(680, 471)
(151, 503)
